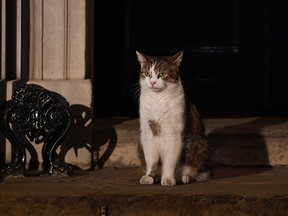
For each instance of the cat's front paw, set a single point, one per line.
(165, 181)
(147, 180)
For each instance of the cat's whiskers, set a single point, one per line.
(135, 89)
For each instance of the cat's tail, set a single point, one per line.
(200, 176)
(203, 175)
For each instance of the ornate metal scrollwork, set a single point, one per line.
(39, 116)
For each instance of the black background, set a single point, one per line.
(235, 60)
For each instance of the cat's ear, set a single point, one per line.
(177, 58)
(141, 58)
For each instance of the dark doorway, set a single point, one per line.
(234, 53)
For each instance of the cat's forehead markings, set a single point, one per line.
(152, 68)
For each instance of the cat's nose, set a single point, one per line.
(153, 82)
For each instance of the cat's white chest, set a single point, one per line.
(154, 104)
(166, 108)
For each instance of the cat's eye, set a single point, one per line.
(162, 75)
(146, 74)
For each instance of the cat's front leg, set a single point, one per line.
(146, 179)
(152, 161)
(168, 176)
(149, 178)
(170, 160)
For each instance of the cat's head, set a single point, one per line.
(159, 72)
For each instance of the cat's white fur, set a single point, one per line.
(162, 102)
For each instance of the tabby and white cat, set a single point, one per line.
(173, 145)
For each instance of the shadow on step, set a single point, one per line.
(243, 146)
(104, 139)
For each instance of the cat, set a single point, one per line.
(173, 145)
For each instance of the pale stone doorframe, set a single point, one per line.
(60, 59)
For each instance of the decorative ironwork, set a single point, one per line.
(40, 116)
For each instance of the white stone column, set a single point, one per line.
(36, 43)
(58, 33)
(3, 39)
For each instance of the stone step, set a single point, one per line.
(253, 141)
(117, 191)
(249, 141)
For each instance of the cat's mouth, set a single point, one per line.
(156, 89)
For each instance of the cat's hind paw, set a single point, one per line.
(168, 181)
(186, 179)
(147, 180)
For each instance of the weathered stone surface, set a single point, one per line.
(231, 191)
